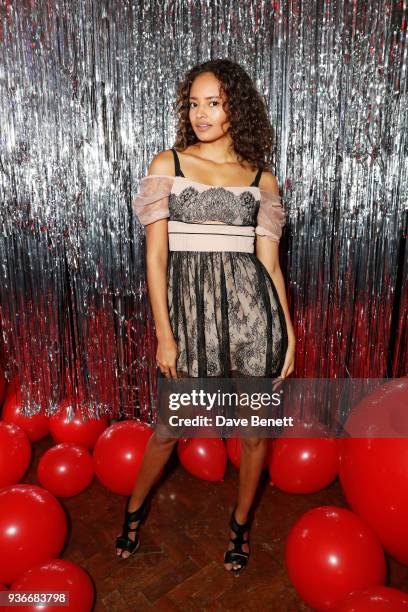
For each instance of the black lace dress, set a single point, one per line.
(224, 309)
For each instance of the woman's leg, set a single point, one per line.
(157, 452)
(253, 452)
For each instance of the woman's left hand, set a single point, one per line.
(289, 364)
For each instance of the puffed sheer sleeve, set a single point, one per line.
(151, 202)
(271, 216)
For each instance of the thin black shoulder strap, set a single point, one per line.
(257, 178)
(177, 168)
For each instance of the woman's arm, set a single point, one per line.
(157, 248)
(267, 251)
(156, 259)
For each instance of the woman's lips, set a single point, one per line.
(203, 127)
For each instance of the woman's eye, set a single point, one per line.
(212, 102)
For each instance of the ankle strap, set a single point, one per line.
(237, 527)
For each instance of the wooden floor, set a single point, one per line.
(179, 563)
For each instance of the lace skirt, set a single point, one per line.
(225, 315)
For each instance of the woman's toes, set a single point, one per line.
(230, 566)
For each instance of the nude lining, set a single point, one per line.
(199, 237)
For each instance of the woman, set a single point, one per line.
(219, 304)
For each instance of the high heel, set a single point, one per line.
(237, 555)
(123, 541)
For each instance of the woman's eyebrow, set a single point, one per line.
(207, 97)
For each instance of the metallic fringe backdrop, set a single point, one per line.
(86, 94)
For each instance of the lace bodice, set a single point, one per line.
(180, 199)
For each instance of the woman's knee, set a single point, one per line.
(253, 443)
(163, 441)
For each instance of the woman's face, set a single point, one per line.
(205, 102)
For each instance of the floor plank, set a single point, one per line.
(179, 566)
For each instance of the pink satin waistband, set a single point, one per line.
(210, 237)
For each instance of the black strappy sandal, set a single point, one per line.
(123, 541)
(237, 555)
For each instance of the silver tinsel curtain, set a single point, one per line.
(86, 97)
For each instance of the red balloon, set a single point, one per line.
(58, 575)
(382, 413)
(375, 599)
(233, 446)
(330, 552)
(33, 528)
(304, 465)
(65, 470)
(15, 453)
(118, 454)
(76, 430)
(374, 477)
(204, 458)
(234, 451)
(36, 426)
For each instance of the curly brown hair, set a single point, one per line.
(250, 130)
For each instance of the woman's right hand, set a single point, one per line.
(166, 357)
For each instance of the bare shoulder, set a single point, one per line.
(268, 182)
(162, 163)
